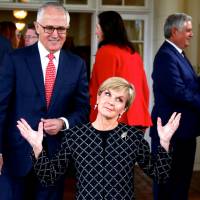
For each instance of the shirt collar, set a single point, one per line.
(175, 46)
(44, 52)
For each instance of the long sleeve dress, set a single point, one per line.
(114, 61)
(104, 162)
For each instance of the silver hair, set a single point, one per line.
(176, 20)
(55, 5)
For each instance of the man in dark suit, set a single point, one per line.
(5, 47)
(176, 89)
(24, 79)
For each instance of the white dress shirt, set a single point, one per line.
(44, 62)
(176, 47)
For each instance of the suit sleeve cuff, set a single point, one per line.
(66, 123)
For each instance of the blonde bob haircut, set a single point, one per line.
(118, 83)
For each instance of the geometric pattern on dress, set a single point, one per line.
(50, 78)
(104, 166)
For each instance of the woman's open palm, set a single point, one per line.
(33, 137)
(166, 132)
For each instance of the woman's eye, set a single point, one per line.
(107, 93)
(119, 100)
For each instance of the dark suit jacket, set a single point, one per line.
(22, 95)
(5, 47)
(176, 88)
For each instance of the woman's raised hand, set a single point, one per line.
(33, 137)
(166, 132)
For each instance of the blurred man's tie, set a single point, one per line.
(50, 78)
(183, 54)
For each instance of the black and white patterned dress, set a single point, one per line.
(104, 162)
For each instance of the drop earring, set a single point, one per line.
(95, 106)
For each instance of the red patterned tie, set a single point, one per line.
(50, 78)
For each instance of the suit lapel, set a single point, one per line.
(35, 68)
(186, 63)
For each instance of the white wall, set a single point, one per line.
(192, 8)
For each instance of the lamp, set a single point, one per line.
(20, 25)
(20, 14)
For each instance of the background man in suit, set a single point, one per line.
(176, 89)
(22, 94)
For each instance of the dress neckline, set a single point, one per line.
(104, 131)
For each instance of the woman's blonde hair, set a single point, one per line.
(118, 83)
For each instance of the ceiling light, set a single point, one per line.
(20, 14)
(20, 25)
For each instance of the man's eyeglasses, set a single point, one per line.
(51, 29)
(30, 37)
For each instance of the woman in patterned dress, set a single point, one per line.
(105, 151)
